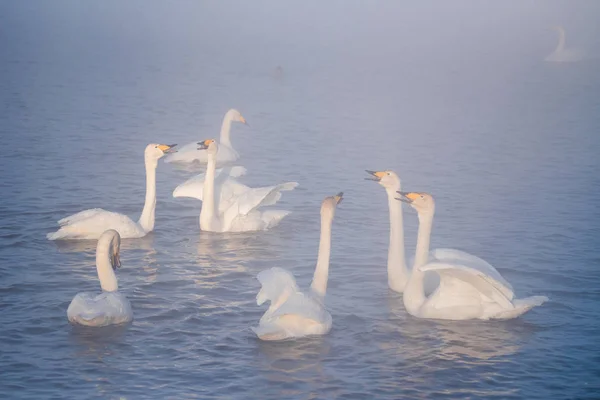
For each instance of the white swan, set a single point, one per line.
(293, 314)
(398, 273)
(562, 54)
(230, 206)
(90, 224)
(469, 288)
(109, 307)
(190, 153)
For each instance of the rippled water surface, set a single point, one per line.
(506, 143)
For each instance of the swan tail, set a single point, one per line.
(272, 218)
(521, 306)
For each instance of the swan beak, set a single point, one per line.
(261, 298)
(339, 197)
(203, 145)
(407, 197)
(167, 148)
(116, 261)
(377, 175)
(243, 121)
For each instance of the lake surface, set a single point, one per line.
(507, 144)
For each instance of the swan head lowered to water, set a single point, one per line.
(420, 201)
(388, 179)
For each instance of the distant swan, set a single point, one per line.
(293, 314)
(109, 307)
(398, 273)
(560, 54)
(469, 288)
(90, 224)
(190, 153)
(229, 206)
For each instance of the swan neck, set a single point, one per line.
(208, 201)
(561, 41)
(225, 131)
(414, 293)
(106, 274)
(396, 265)
(321, 275)
(147, 217)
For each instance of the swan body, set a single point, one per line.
(226, 154)
(398, 273)
(229, 206)
(562, 54)
(470, 288)
(109, 307)
(90, 224)
(293, 314)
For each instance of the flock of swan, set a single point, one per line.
(442, 283)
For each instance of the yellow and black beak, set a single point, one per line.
(167, 148)
(377, 175)
(203, 145)
(407, 197)
(243, 121)
(339, 197)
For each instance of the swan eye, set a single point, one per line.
(388, 174)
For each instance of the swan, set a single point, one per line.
(560, 54)
(232, 206)
(293, 314)
(109, 307)
(189, 153)
(398, 273)
(469, 288)
(90, 224)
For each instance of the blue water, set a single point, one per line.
(458, 106)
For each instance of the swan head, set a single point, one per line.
(330, 203)
(420, 201)
(210, 145)
(387, 179)
(155, 151)
(112, 240)
(235, 116)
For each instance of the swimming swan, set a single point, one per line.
(560, 54)
(233, 207)
(189, 153)
(469, 288)
(109, 307)
(293, 314)
(90, 224)
(398, 273)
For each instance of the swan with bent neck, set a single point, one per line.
(561, 53)
(110, 307)
(293, 314)
(469, 288)
(227, 154)
(227, 209)
(90, 224)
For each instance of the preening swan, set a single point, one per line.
(229, 206)
(398, 273)
(90, 224)
(562, 54)
(469, 288)
(293, 314)
(190, 153)
(109, 307)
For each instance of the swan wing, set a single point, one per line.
(275, 282)
(455, 276)
(303, 306)
(194, 186)
(107, 308)
(261, 197)
(90, 224)
(453, 256)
